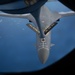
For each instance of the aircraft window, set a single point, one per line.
(30, 2)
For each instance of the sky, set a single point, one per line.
(18, 43)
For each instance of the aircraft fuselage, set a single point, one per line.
(48, 20)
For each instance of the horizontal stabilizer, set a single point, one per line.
(69, 3)
(33, 28)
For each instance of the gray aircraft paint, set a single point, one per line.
(47, 18)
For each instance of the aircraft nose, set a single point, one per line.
(43, 55)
